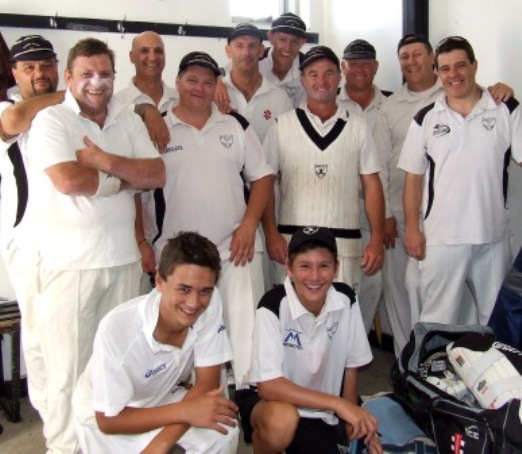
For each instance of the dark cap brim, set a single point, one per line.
(33, 56)
(290, 30)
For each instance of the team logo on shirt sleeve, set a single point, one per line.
(489, 123)
(292, 339)
(321, 170)
(226, 140)
(440, 130)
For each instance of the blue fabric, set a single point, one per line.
(506, 318)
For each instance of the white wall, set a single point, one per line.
(377, 21)
(493, 29)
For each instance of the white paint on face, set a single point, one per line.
(96, 82)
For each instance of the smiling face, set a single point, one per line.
(185, 295)
(196, 86)
(320, 79)
(148, 55)
(457, 74)
(417, 66)
(91, 80)
(359, 73)
(312, 273)
(285, 47)
(36, 77)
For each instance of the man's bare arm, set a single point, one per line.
(146, 173)
(18, 118)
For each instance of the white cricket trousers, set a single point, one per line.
(446, 271)
(241, 289)
(70, 307)
(194, 441)
(22, 267)
(401, 288)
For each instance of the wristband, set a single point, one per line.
(107, 185)
(142, 241)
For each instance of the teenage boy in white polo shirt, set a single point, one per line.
(131, 398)
(309, 340)
(456, 156)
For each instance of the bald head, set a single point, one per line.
(148, 55)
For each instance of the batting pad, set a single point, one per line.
(490, 369)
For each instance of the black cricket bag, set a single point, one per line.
(426, 384)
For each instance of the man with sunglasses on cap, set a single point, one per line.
(209, 158)
(361, 96)
(421, 87)
(455, 156)
(308, 343)
(321, 153)
(35, 70)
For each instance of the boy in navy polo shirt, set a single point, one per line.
(309, 340)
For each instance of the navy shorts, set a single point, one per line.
(311, 437)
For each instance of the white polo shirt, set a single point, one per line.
(380, 137)
(263, 108)
(131, 95)
(204, 190)
(130, 368)
(398, 111)
(310, 351)
(464, 162)
(80, 232)
(291, 82)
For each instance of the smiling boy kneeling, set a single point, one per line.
(131, 397)
(309, 340)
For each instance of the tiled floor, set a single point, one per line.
(26, 437)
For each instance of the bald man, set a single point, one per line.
(147, 87)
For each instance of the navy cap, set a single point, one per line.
(200, 59)
(359, 48)
(31, 47)
(290, 23)
(412, 38)
(311, 233)
(318, 53)
(245, 29)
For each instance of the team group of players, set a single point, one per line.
(336, 179)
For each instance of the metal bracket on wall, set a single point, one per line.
(82, 24)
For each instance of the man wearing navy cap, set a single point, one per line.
(209, 158)
(322, 153)
(251, 94)
(359, 95)
(35, 69)
(280, 63)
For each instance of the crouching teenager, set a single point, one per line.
(309, 340)
(134, 395)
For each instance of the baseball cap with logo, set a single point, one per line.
(318, 53)
(245, 29)
(311, 233)
(290, 23)
(359, 49)
(200, 59)
(31, 47)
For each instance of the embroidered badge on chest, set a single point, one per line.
(489, 123)
(440, 130)
(267, 114)
(226, 140)
(291, 90)
(321, 170)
